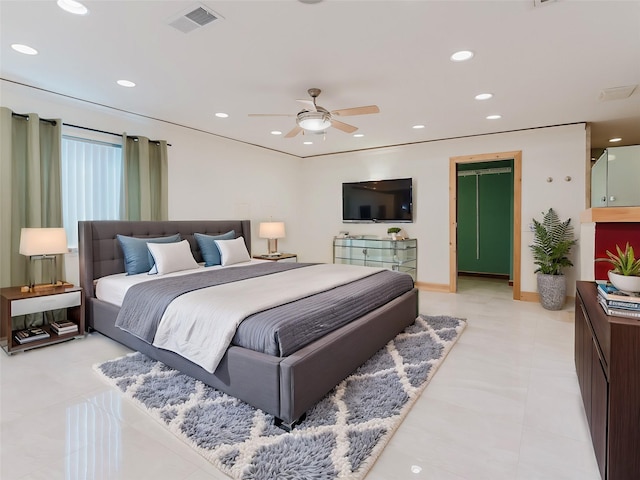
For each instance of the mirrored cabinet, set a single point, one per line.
(400, 255)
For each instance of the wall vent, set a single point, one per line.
(193, 17)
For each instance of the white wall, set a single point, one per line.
(217, 178)
(555, 152)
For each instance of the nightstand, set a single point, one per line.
(13, 302)
(283, 257)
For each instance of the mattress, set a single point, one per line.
(282, 330)
(113, 288)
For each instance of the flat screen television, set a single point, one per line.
(385, 201)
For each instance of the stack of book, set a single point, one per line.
(63, 327)
(616, 302)
(30, 335)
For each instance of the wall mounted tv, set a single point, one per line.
(386, 201)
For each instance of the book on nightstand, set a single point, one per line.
(63, 327)
(30, 335)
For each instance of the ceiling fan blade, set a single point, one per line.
(309, 105)
(295, 131)
(345, 112)
(345, 127)
(271, 115)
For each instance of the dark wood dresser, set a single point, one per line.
(607, 356)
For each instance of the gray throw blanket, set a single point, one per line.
(145, 303)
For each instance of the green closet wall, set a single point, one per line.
(485, 218)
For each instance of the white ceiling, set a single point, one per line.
(546, 65)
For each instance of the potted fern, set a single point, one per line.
(552, 243)
(625, 275)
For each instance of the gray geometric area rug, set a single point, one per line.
(342, 435)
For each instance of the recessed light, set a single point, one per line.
(276, 132)
(26, 49)
(484, 96)
(617, 139)
(126, 83)
(308, 143)
(72, 6)
(222, 115)
(416, 468)
(418, 127)
(493, 117)
(462, 55)
(358, 135)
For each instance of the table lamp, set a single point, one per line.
(43, 244)
(272, 231)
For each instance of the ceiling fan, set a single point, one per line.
(314, 118)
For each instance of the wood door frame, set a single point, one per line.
(516, 156)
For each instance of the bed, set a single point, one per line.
(285, 386)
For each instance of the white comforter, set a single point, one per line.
(201, 324)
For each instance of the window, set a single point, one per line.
(91, 183)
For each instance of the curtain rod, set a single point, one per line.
(105, 132)
(26, 117)
(53, 122)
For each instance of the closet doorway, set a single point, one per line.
(468, 177)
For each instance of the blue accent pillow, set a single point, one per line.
(209, 249)
(137, 258)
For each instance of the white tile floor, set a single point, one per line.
(504, 405)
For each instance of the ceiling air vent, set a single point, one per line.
(617, 93)
(194, 17)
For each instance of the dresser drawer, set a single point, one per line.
(45, 303)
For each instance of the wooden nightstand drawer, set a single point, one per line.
(44, 303)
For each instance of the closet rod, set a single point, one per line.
(486, 171)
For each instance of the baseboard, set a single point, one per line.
(498, 276)
(529, 296)
(535, 297)
(433, 287)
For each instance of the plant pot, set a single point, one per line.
(625, 283)
(394, 236)
(552, 290)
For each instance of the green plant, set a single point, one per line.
(552, 242)
(624, 263)
(393, 230)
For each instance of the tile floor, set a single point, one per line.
(504, 405)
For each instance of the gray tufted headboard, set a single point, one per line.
(100, 253)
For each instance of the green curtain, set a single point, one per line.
(30, 183)
(145, 179)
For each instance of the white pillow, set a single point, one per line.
(233, 251)
(172, 257)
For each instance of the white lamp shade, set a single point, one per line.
(272, 230)
(43, 241)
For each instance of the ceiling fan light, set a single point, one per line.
(314, 121)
